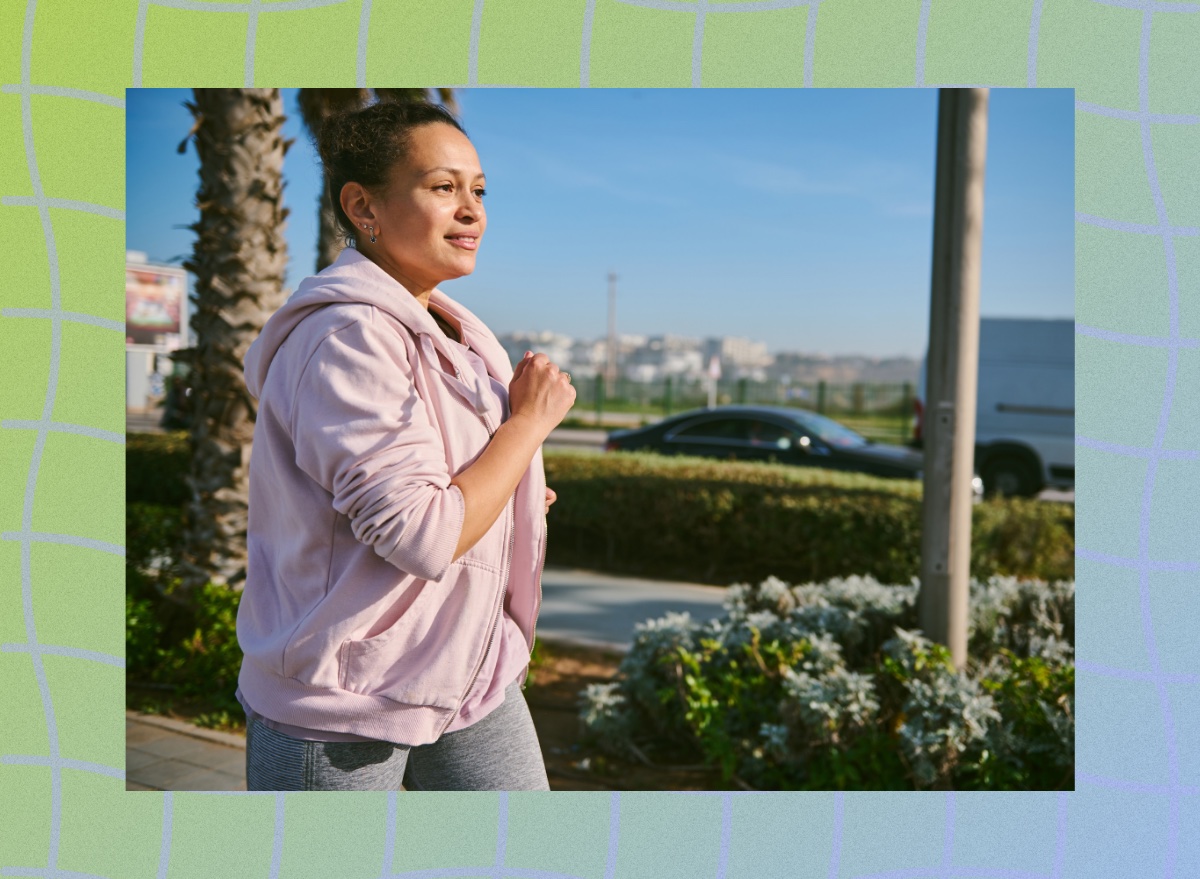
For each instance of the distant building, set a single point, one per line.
(740, 358)
(587, 357)
(556, 346)
(648, 359)
(663, 356)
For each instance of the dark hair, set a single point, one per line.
(364, 145)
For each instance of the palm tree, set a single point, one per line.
(239, 260)
(318, 104)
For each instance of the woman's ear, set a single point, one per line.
(357, 205)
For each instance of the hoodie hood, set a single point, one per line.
(353, 278)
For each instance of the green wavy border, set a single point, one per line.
(64, 67)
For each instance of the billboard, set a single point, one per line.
(154, 302)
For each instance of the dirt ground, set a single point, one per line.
(553, 697)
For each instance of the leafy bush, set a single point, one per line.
(829, 686)
(151, 533)
(155, 467)
(190, 649)
(193, 651)
(143, 636)
(646, 514)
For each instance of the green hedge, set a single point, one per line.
(720, 522)
(155, 467)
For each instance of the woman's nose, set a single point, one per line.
(469, 210)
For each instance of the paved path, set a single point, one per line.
(165, 754)
(578, 607)
(599, 610)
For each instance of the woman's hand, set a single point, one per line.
(539, 390)
(551, 497)
(539, 396)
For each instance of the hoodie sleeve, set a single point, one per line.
(362, 432)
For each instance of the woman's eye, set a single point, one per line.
(446, 186)
(480, 193)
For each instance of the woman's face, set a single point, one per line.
(430, 219)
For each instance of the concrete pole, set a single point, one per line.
(952, 368)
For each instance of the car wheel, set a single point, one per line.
(1011, 476)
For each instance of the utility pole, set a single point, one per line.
(952, 368)
(610, 369)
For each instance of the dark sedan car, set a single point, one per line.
(762, 433)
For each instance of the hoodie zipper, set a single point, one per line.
(495, 622)
(512, 538)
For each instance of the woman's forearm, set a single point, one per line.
(490, 481)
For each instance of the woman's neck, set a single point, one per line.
(448, 328)
(421, 292)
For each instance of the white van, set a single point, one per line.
(1025, 415)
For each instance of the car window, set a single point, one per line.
(718, 428)
(766, 433)
(828, 430)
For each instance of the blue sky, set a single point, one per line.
(801, 218)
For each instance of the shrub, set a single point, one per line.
(151, 533)
(207, 659)
(190, 649)
(193, 651)
(829, 686)
(143, 635)
(1033, 746)
(646, 514)
(155, 467)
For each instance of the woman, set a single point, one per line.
(397, 497)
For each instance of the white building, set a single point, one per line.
(663, 356)
(556, 346)
(740, 358)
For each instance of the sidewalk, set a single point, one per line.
(578, 607)
(600, 610)
(165, 754)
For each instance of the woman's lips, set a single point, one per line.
(466, 242)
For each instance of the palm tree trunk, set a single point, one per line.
(239, 261)
(330, 240)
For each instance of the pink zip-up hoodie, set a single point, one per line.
(354, 617)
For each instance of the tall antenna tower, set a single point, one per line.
(610, 368)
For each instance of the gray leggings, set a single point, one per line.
(499, 752)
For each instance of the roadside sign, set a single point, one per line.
(154, 302)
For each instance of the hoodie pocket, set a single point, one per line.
(427, 658)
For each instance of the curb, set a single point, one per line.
(183, 728)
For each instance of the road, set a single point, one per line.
(593, 441)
